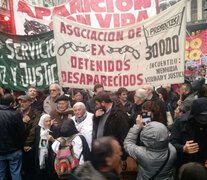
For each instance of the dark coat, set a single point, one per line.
(185, 129)
(91, 105)
(12, 130)
(37, 105)
(136, 110)
(49, 171)
(116, 124)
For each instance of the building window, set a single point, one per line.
(204, 5)
(194, 8)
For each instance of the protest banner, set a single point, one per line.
(27, 60)
(149, 52)
(31, 19)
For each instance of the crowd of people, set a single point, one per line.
(162, 129)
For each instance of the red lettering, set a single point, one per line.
(80, 63)
(73, 62)
(99, 66)
(125, 80)
(116, 20)
(101, 51)
(142, 15)
(61, 11)
(115, 81)
(138, 4)
(62, 28)
(96, 80)
(124, 5)
(76, 75)
(127, 65)
(84, 20)
(76, 6)
(82, 79)
(103, 80)
(22, 7)
(93, 49)
(41, 11)
(132, 80)
(63, 74)
(69, 77)
(89, 79)
(139, 78)
(70, 32)
(110, 79)
(95, 5)
(104, 23)
(127, 19)
(109, 5)
(92, 65)
(110, 66)
(119, 65)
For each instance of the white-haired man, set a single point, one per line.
(139, 98)
(49, 103)
(152, 96)
(83, 121)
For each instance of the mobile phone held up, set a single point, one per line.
(146, 117)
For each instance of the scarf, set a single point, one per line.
(81, 119)
(43, 144)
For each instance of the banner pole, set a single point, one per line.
(11, 8)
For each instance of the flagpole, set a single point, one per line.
(11, 9)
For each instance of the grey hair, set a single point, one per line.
(57, 85)
(141, 93)
(81, 105)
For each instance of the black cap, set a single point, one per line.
(62, 97)
(199, 109)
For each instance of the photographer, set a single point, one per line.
(157, 156)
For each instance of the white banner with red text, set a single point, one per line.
(31, 19)
(150, 52)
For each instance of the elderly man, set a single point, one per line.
(83, 121)
(49, 103)
(152, 96)
(139, 98)
(30, 120)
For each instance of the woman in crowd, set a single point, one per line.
(157, 156)
(154, 109)
(41, 146)
(69, 133)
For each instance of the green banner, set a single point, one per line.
(27, 60)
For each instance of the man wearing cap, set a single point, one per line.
(30, 120)
(63, 110)
(189, 134)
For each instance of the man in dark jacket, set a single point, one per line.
(30, 120)
(90, 104)
(189, 134)
(106, 155)
(11, 138)
(152, 96)
(110, 119)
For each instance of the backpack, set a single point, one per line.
(65, 159)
